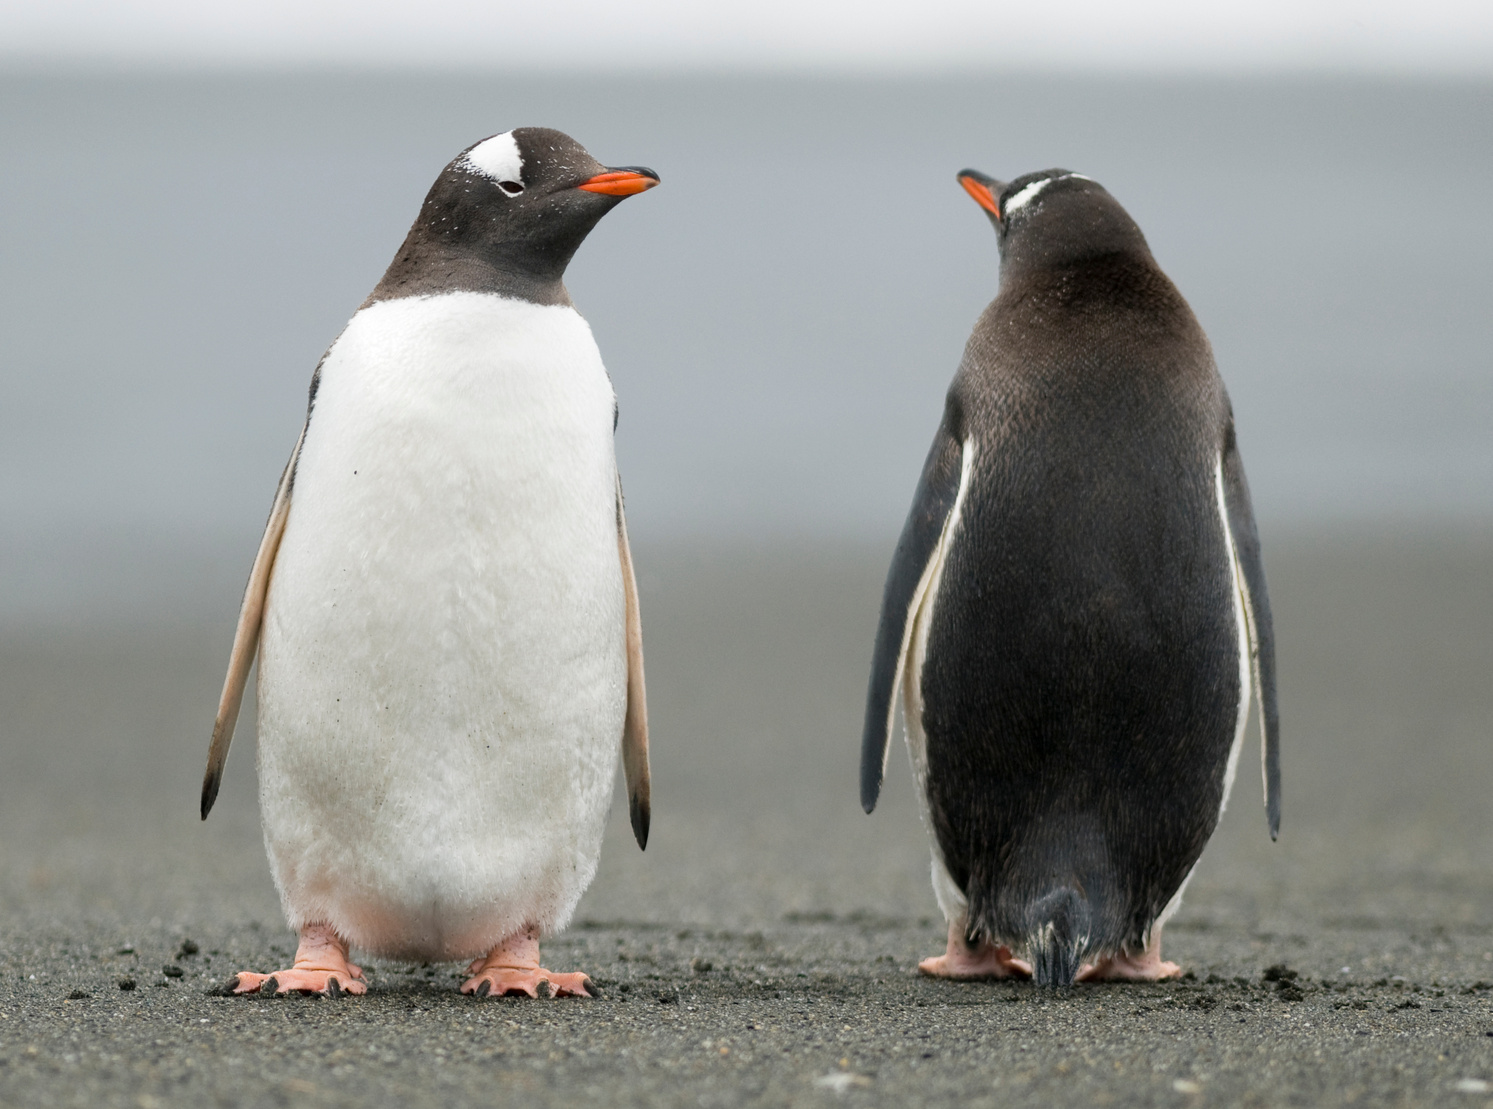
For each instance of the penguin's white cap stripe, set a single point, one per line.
(498, 158)
(1029, 194)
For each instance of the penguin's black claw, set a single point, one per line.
(228, 988)
(544, 990)
(334, 988)
(484, 988)
(591, 987)
(268, 988)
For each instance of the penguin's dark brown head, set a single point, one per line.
(515, 206)
(1052, 218)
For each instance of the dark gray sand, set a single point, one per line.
(762, 950)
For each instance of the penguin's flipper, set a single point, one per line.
(246, 636)
(635, 724)
(912, 570)
(1257, 614)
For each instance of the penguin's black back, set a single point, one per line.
(1081, 683)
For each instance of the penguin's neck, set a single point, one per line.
(425, 268)
(1064, 241)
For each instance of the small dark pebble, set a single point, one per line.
(125, 951)
(1280, 973)
(188, 949)
(78, 995)
(668, 997)
(1408, 1005)
(127, 984)
(1288, 992)
(701, 965)
(171, 970)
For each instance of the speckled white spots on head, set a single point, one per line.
(498, 158)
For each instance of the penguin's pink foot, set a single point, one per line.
(1145, 967)
(321, 967)
(984, 960)
(512, 968)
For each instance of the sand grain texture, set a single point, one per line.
(761, 951)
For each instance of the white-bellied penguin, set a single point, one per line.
(1076, 612)
(443, 604)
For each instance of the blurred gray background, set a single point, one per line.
(780, 319)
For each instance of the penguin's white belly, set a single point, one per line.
(442, 670)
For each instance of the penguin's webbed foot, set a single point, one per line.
(965, 963)
(525, 982)
(321, 967)
(1145, 967)
(512, 969)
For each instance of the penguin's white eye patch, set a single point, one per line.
(1029, 193)
(1026, 195)
(499, 159)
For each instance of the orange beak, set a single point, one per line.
(982, 194)
(620, 182)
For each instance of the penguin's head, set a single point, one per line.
(525, 200)
(1052, 218)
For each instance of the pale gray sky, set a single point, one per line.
(1428, 36)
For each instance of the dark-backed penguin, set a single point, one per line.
(443, 604)
(1076, 611)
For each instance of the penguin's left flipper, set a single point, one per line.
(1257, 615)
(635, 724)
(246, 636)
(907, 582)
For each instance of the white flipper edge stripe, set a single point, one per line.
(246, 635)
(926, 583)
(635, 724)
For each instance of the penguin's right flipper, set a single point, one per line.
(1257, 614)
(907, 581)
(635, 724)
(246, 636)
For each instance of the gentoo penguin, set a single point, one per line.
(450, 654)
(1076, 611)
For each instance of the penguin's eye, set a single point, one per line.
(512, 188)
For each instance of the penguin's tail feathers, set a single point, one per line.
(1060, 925)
